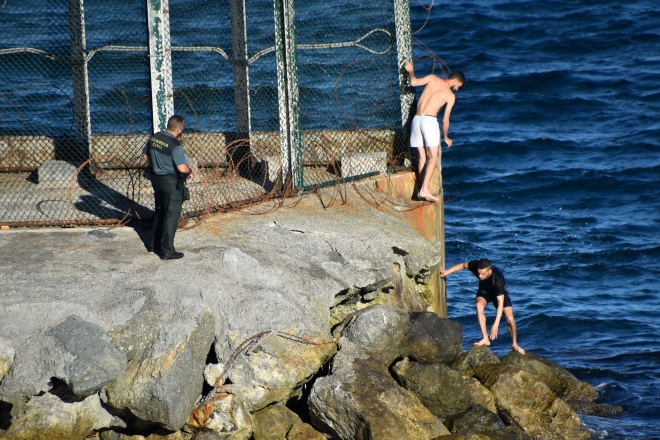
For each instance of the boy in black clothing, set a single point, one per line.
(492, 288)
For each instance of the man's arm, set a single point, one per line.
(147, 159)
(445, 120)
(498, 316)
(180, 160)
(414, 81)
(459, 266)
(184, 168)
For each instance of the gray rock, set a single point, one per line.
(303, 431)
(439, 387)
(378, 331)
(95, 361)
(593, 408)
(361, 400)
(7, 353)
(431, 339)
(479, 420)
(387, 333)
(481, 395)
(558, 379)
(160, 434)
(47, 417)
(273, 423)
(225, 415)
(163, 386)
(251, 273)
(527, 402)
(275, 369)
(411, 293)
(137, 335)
(476, 356)
(57, 173)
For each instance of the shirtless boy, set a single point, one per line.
(492, 288)
(424, 130)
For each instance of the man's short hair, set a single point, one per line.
(458, 75)
(175, 122)
(484, 263)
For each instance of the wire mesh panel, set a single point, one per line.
(276, 96)
(350, 114)
(36, 111)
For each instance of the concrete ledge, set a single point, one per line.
(25, 151)
(359, 164)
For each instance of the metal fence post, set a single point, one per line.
(160, 63)
(241, 70)
(287, 91)
(81, 114)
(404, 53)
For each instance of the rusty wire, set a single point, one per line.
(246, 345)
(222, 184)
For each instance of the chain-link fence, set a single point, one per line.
(278, 98)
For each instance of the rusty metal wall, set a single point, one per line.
(279, 98)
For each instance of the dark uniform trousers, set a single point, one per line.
(169, 201)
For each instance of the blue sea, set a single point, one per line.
(554, 175)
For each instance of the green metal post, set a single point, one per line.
(160, 63)
(405, 53)
(81, 114)
(241, 71)
(287, 85)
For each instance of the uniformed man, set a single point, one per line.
(165, 157)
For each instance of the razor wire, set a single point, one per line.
(345, 124)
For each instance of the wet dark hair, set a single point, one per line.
(175, 122)
(458, 75)
(484, 263)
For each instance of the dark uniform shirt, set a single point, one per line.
(166, 153)
(491, 287)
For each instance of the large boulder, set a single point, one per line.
(361, 400)
(163, 385)
(439, 387)
(476, 356)
(431, 339)
(278, 422)
(593, 408)
(558, 379)
(93, 361)
(526, 401)
(225, 415)
(480, 395)
(275, 369)
(304, 431)
(273, 423)
(386, 333)
(378, 331)
(479, 420)
(47, 417)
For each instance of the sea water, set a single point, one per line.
(554, 175)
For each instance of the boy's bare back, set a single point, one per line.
(435, 95)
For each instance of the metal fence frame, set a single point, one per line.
(290, 175)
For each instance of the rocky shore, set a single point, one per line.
(306, 322)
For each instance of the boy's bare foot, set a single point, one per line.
(427, 196)
(518, 348)
(485, 342)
